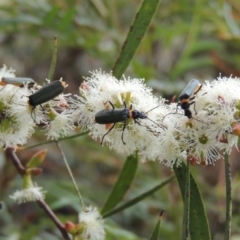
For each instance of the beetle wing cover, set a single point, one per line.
(190, 89)
(46, 93)
(111, 116)
(17, 81)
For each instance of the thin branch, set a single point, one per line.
(228, 198)
(15, 160)
(54, 218)
(54, 141)
(21, 169)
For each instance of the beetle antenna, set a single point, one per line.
(170, 114)
(147, 127)
(152, 109)
(183, 115)
(161, 126)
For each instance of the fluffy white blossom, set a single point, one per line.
(218, 106)
(30, 194)
(17, 124)
(60, 126)
(214, 110)
(18, 117)
(93, 224)
(101, 90)
(126, 116)
(6, 72)
(166, 135)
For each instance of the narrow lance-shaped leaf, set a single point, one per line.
(136, 33)
(198, 222)
(122, 184)
(156, 230)
(186, 204)
(54, 59)
(138, 198)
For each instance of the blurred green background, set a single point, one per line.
(186, 39)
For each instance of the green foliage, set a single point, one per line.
(123, 183)
(180, 42)
(156, 230)
(135, 35)
(138, 198)
(198, 223)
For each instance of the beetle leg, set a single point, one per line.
(42, 107)
(124, 126)
(32, 115)
(178, 105)
(108, 125)
(136, 121)
(191, 98)
(194, 104)
(107, 133)
(198, 89)
(110, 104)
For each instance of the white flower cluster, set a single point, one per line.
(126, 116)
(30, 194)
(102, 89)
(18, 118)
(93, 222)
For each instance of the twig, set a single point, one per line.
(21, 169)
(53, 141)
(54, 218)
(228, 198)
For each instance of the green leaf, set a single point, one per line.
(54, 60)
(186, 204)
(138, 198)
(156, 230)
(122, 184)
(198, 224)
(135, 35)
